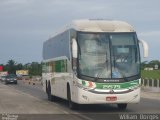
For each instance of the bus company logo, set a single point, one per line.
(111, 80)
(111, 86)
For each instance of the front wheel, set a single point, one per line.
(71, 104)
(50, 96)
(122, 106)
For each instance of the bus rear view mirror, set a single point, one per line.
(145, 47)
(74, 48)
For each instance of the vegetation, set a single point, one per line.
(34, 68)
(154, 74)
(150, 64)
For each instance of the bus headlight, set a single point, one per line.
(79, 84)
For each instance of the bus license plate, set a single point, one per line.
(111, 98)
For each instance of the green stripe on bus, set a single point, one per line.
(114, 85)
(117, 85)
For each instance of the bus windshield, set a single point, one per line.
(108, 55)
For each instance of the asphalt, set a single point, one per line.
(15, 101)
(29, 99)
(150, 93)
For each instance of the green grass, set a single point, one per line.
(154, 74)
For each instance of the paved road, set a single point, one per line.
(16, 103)
(89, 112)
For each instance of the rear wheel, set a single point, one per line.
(122, 106)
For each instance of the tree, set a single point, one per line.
(144, 65)
(150, 64)
(11, 67)
(153, 63)
(35, 68)
(19, 66)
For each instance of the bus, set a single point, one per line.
(93, 62)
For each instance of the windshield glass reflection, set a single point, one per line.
(108, 55)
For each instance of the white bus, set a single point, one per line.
(93, 62)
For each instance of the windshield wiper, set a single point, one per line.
(90, 78)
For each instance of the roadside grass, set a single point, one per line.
(154, 74)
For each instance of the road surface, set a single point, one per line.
(29, 99)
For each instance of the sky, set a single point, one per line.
(26, 24)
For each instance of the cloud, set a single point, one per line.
(33, 21)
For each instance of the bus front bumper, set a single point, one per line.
(87, 97)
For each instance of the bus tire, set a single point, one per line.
(122, 106)
(46, 87)
(71, 104)
(50, 96)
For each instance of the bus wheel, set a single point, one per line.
(71, 104)
(122, 106)
(50, 97)
(46, 87)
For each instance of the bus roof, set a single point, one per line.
(96, 25)
(89, 25)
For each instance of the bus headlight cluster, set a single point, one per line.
(79, 85)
